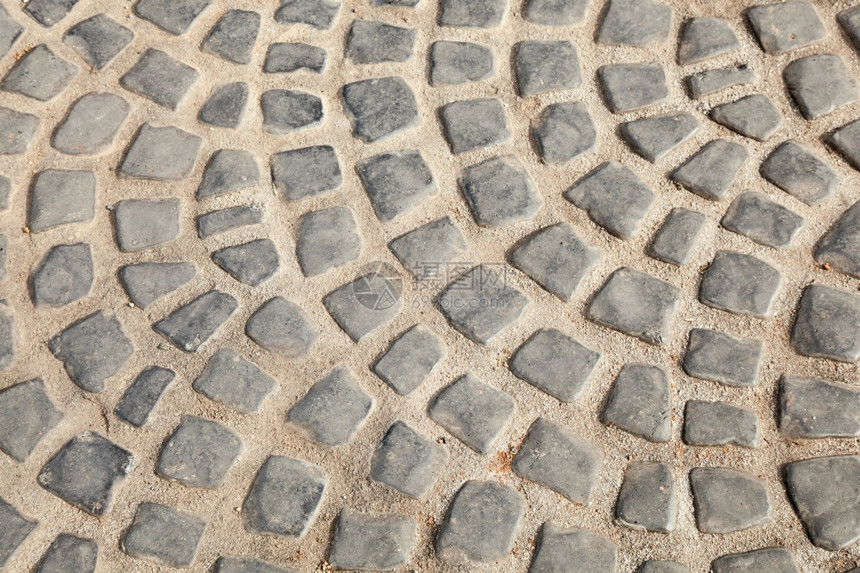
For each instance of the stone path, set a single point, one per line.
(420, 285)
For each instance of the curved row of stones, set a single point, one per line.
(483, 517)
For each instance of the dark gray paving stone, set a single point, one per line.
(710, 172)
(69, 554)
(764, 221)
(252, 263)
(10, 31)
(719, 424)
(40, 74)
(827, 324)
(723, 358)
(824, 494)
(144, 223)
(543, 66)
(191, 325)
(407, 461)
(728, 500)
(556, 258)
(840, 246)
(5, 192)
(636, 304)
(91, 124)
(640, 403)
(222, 220)
(371, 42)
(635, 23)
(281, 327)
(554, 458)
(371, 542)
(819, 84)
(740, 283)
(285, 58)
(17, 131)
(163, 535)
(228, 170)
(363, 305)
(786, 26)
(846, 140)
(564, 132)
(287, 111)
(654, 137)
(327, 239)
(306, 172)
(410, 359)
(614, 197)
(145, 283)
(677, 236)
(705, 38)
(753, 116)
(815, 408)
(628, 87)
(140, 399)
(4, 246)
(98, 40)
(555, 363)
(482, 522)
(648, 498)
(459, 62)
(380, 107)
(500, 191)
(474, 124)
(429, 249)
(710, 81)
(662, 567)
(226, 105)
(771, 559)
(397, 182)
(284, 497)
(234, 382)
(87, 471)
(480, 304)
(14, 529)
(27, 414)
(92, 350)
(161, 153)
(319, 14)
(247, 565)
(7, 340)
(800, 173)
(473, 13)
(556, 12)
(573, 550)
(849, 20)
(234, 35)
(60, 197)
(174, 16)
(159, 77)
(333, 409)
(63, 276)
(474, 412)
(199, 453)
(405, 3)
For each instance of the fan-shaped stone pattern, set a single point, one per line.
(430, 249)
(141, 398)
(705, 38)
(199, 453)
(284, 497)
(636, 304)
(17, 131)
(234, 382)
(723, 358)
(228, 170)
(482, 522)
(764, 221)
(327, 238)
(635, 23)
(473, 13)
(719, 424)
(459, 63)
(474, 412)
(191, 325)
(380, 107)
(564, 132)
(824, 493)
(846, 140)
(849, 20)
(640, 403)
(800, 173)
(740, 283)
(247, 565)
(362, 306)
(145, 283)
(222, 220)
(628, 87)
(287, 111)
(753, 116)
(654, 137)
(648, 498)
(319, 14)
(556, 12)
(98, 40)
(14, 529)
(474, 124)
(614, 197)
(662, 567)
(144, 223)
(410, 359)
(575, 550)
(87, 471)
(161, 78)
(10, 31)
(554, 458)
(174, 16)
(225, 106)
(819, 84)
(543, 66)
(40, 74)
(63, 276)
(397, 182)
(840, 246)
(676, 239)
(305, 172)
(370, 542)
(27, 414)
(786, 26)
(775, 559)
(407, 461)
(372, 42)
(252, 263)
(60, 197)
(707, 82)
(234, 36)
(281, 327)
(286, 58)
(814, 408)
(827, 324)
(555, 363)
(711, 171)
(161, 154)
(164, 535)
(728, 500)
(500, 191)
(69, 553)
(92, 350)
(91, 124)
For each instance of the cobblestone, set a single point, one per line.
(63, 276)
(161, 154)
(711, 171)
(144, 223)
(228, 170)
(705, 38)
(225, 106)
(27, 414)
(161, 78)
(635, 23)
(720, 424)
(773, 559)
(319, 14)
(629, 87)
(459, 62)
(286, 58)
(247, 565)
(234, 382)
(640, 402)
(827, 324)
(764, 221)
(145, 283)
(648, 498)
(69, 554)
(426, 250)
(840, 247)
(728, 500)
(305, 172)
(721, 357)
(707, 82)
(91, 125)
(288, 111)
(740, 283)
(281, 327)
(410, 359)
(814, 408)
(191, 325)
(372, 542)
(17, 131)
(223, 220)
(806, 79)
(556, 12)
(234, 36)
(252, 263)
(397, 182)
(800, 173)
(846, 140)
(40, 74)
(500, 191)
(564, 132)
(376, 42)
(164, 535)
(362, 306)
(474, 124)
(543, 66)
(98, 40)
(141, 398)
(676, 239)
(199, 453)
(174, 16)
(379, 108)
(555, 363)
(577, 550)
(654, 137)
(14, 529)
(407, 461)
(662, 567)
(472, 13)
(754, 116)
(786, 26)
(60, 197)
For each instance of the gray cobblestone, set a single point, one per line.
(705, 38)
(363, 305)
(174, 16)
(773, 559)
(396, 182)
(740, 283)
(425, 251)
(63, 276)
(98, 40)
(161, 78)
(786, 26)
(144, 223)
(40, 74)
(410, 359)
(61, 197)
(306, 172)
(474, 124)
(827, 324)
(225, 106)
(800, 173)
(91, 124)
(635, 23)
(720, 424)
(500, 191)
(555, 363)
(319, 14)
(723, 358)
(228, 170)
(234, 35)
(370, 542)
(191, 325)
(654, 137)
(473, 13)
(707, 82)
(474, 412)
(223, 220)
(145, 283)
(247, 565)
(10, 31)
(16, 131)
(234, 382)
(819, 84)
(164, 535)
(27, 414)
(677, 237)
(459, 62)
(640, 403)
(161, 154)
(846, 140)
(814, 408)
(754, 116)
(380, 107)
(140, 399)
(711, 171)
(543, 66)
(556, 12)
(662, 567)
(327, 238)
(564, 132)
(199, 453)
(629, 87)
(69, 554)
(407, 461)
(280, 326)
(372, 42)
(648, 498)
(840, 246)
(288, 111)
(286, 58)
(764, 221)
(728, 500)
(252, 263)
(575, 550)
(14, 529)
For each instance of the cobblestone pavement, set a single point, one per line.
(419, 285)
